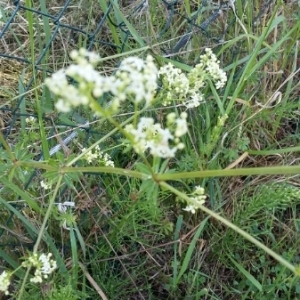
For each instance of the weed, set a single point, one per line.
(178, 181)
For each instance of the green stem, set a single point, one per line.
(47, 215)
(7, 148)
(96, 107)
(23, 284)
(167, 176)
(234, 227)
(274, 151)
(36, 165)
(234, 172)
(108, 170)
(29, 17)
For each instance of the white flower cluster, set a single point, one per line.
(210, 64)
(97, 155)
(135, 80)
(186, 88)
(84, 57)
(197, 199)
(5, 282)
(45, 186)
(43, 265)
(148, 135)
(31, 120)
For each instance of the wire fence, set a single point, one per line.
(106, 27)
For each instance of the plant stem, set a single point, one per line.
(234, 172)
(243, 233)
(48, 212)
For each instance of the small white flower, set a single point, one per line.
(136, 80)
(186, 88)
(190, 208)
(84, 57)
(30, 120)
(96, 155)
(171, 117)
(36, 279)
(62, 207)
(181, 125)
(5, 282)
(212, 68)
(62, 106)
(107, 161)
(43, 265)
(45, 186)
(89, 156)
(158, 140)
(48, 265)
(180, 146)
(198, 200)
(194, 100)
(175, 83)
(199, 190)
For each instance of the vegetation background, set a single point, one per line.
(130, 240)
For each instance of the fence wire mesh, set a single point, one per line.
(109, 28)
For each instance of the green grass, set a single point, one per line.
(129, 237)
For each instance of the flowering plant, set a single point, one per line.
(43, 265)
(140, 83)
(136, 80)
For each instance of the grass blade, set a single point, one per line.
(132, 30)
(191, 249)
(176, 238)
(32, 204)
(247, 274)
(75, 264)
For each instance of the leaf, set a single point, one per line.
(247, 274)
(81, 240)
(191, 249)
(176, 238)
(21, 193)
(20, 273)
(142, 168)
(34, 232)
(134, 33)
(75, 264)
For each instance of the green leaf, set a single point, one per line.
(33, 232)
(20, 273)
(81, 240)
(21, 193)
(191, 249)
(75, 264)
(64, 118)
(134, 33)
(142, 168)
(176, 238)
(247, 274)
